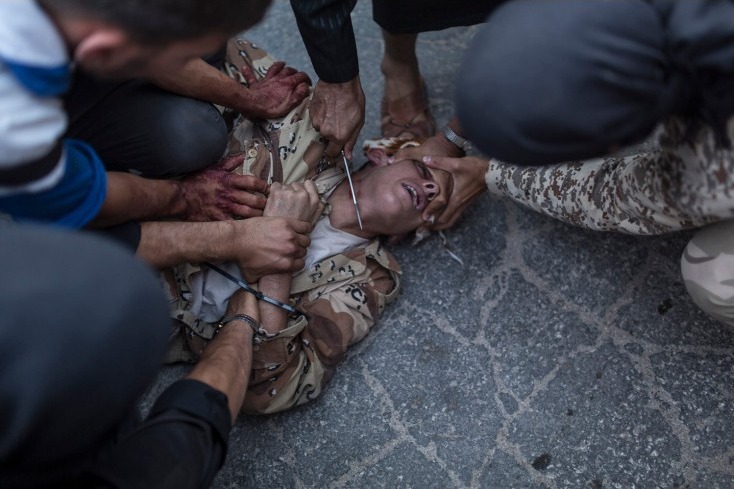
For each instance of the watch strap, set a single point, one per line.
(455, 139)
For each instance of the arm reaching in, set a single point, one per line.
(647, 193)
(337, 107)
(217, 193)
(295, 201)
(226, 362)
(337, 112)
(213, 194)
(468, 174)
(273, 96)
(260, 245)
(669, 189)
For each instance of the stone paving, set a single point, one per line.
(554, 358)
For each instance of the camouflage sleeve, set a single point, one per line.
(293, 368)
(684, 184)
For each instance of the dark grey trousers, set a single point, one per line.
(83, 327)
(135, 126)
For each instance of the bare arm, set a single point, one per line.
(294, 201)
(277, 286)
(273, 96)
(213, 194)
(130, 197)
(226, 362)
(259, 245)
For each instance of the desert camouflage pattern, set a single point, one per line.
(687, 183)
(707, 266)
(288, 149)
(342, 296)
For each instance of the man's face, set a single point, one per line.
(132, 59)
(404, 194)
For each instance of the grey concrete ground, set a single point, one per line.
(554, 358)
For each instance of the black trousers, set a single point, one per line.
(415, 16)
(83, 327)
(138, 127)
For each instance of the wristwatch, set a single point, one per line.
(455, 139)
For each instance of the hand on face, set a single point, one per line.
(468, 174)
(437, 186)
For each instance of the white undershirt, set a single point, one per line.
(328, 241)
(211, 291)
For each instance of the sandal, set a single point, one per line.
(420, 126)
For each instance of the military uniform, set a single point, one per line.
(341, 296)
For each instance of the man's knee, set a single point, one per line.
(82, 334)
(707, 266)
(192, 136)
(141, 128)
(561, 82)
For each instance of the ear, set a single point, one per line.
(378, 157)
(101, 47)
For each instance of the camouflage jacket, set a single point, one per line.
(686, 182)
(342, 295)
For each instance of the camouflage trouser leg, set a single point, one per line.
(707, 266)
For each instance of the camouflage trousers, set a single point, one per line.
(687, 182)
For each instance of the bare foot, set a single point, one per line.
(404, 110)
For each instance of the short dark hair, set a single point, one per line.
(163, 21)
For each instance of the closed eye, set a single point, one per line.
(423, 170)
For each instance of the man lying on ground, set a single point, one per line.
(309, 319)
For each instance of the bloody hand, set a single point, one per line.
(218, 194)
(274, 95)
